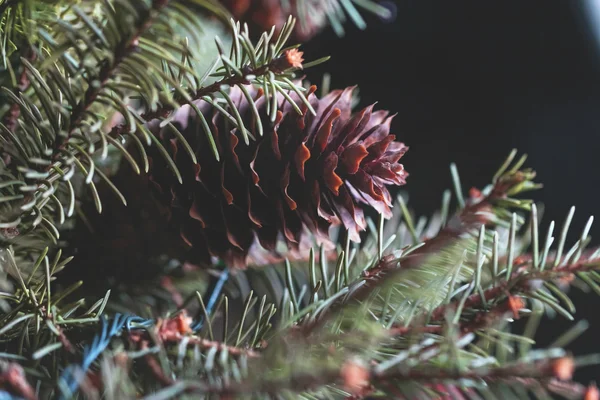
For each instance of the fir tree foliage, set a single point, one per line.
(105, 59)
(421, 308)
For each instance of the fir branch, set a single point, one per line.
(123, 49)
(71, 151)
(482, 320)
(368, 353)
(295, 383)
(543, 374)
(524, 280)
(480, 211)
(248, 74)
(206, 344)
(539, 378)
(178, 329)
(547, 368)
(367, 327)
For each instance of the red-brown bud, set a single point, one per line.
(355, 376)
(563, 368)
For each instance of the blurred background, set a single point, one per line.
(471, 80)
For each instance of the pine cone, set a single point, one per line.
(305, 174)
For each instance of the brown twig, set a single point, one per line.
(549, 368)
(547, 374)
(522, 281)
(178, 328)
(553, 375)
(207, 344)
(480, 320)
(448, 391)
(276, 65)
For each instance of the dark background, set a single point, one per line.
(470, 80)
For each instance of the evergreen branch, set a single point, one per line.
(472, 313)
(420, 309)
(360, 353)
(73, 145)
(547, 368)
(205, 344)
(247, 75)
(479, 212)
(547, 374)
(523, 281)
(178, 329)
(491, 316)
(123, 49)
(543, 374)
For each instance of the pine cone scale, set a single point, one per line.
(332, 180)
(352, 156)
(325, 130)
(301, 157)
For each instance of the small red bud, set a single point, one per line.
(475, 193)
(515, 304)
(291, 58)
(592, 393)
(563, 368)
(174, 328)
(355, 376)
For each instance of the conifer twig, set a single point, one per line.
(123, 49)
(480, 321)
(279, 64)
(286, 61)
(546, 373)
(522, 280)
(561, 368)
(472, 216)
